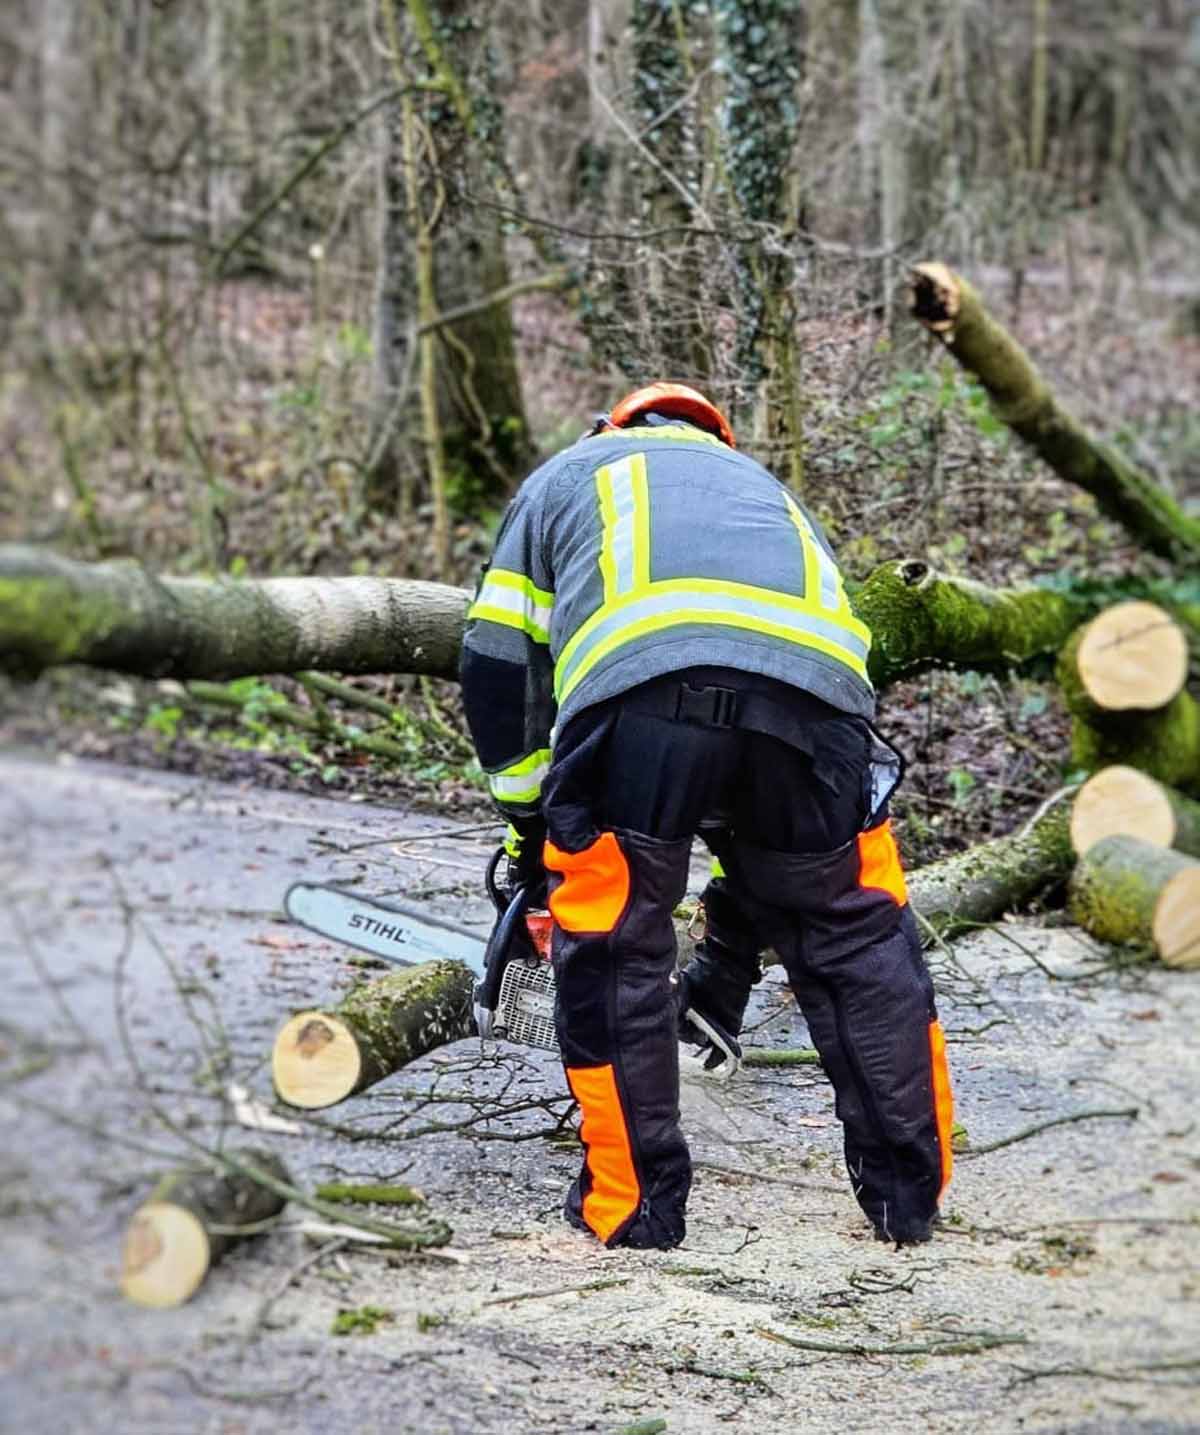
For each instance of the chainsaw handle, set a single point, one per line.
(503, 947)
(500, 898)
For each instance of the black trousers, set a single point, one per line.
(810, 869)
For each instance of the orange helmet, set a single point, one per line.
(675, 401)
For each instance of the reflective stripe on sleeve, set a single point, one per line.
(512, 600)
(522, 782)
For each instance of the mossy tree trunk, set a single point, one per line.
(919, 616)
(443, 249)
(950, 308)
(978, 886)
(118, 616)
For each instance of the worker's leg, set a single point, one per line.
(613, 890)
(840, 921)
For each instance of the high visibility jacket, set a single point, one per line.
(640, 552)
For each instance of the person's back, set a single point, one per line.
(662, 646)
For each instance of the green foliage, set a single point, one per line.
(163, 719)
(961, 783)
(362, 1320)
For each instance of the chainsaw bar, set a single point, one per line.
(400, 934)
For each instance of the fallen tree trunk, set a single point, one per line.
(949, 308)
(321, 1057)
(1125, 891)
(117, 615)
(188, 1222)
(1122, 678)
(1121, 799)
(978, 886)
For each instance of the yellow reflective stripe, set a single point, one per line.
(641, 521)
(513, 601)
(608, 525)
(704, 618)
(506, 578)
(857, 632)
(679, 433)
(820, 571)
(522, 781)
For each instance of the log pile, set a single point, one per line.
(1132, 893)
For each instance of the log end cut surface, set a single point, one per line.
(316, 1061)
(1118, 800)
(1177, 920)
(1133, 657)
(166, 1255)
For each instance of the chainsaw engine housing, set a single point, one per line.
(525, 1009)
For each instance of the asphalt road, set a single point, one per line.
(146, 966)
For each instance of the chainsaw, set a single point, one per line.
(514, 991)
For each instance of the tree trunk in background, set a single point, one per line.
(671, 43)
(484, 435)
(60, 74)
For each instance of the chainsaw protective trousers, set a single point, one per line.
(811, 869)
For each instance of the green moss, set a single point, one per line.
(44, 621)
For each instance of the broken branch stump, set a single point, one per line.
(1125, 891)
(323, 1056)
(188, 1222)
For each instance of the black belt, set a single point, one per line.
(723, 707)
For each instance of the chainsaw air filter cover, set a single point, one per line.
(525, 1010)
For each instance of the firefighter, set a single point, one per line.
(662, 646)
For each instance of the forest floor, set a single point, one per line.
(146, 966)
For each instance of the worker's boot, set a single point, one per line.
(614, 956)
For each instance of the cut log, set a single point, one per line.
(1122, 678)
(1125, 891)
(188, 1222)
(949, 308)
(323, 1056)
(1121, 799)
(978, 886)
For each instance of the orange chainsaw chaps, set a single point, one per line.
(615, 1192)
(879, 862)
(943, 1101)
(594, 887)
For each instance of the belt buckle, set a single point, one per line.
(709, 707)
